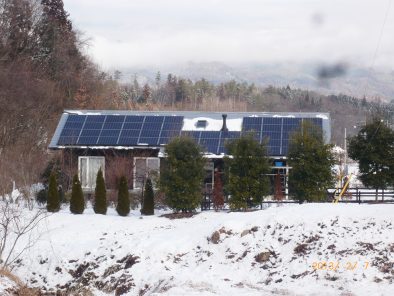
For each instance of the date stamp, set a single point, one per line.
(338, 265)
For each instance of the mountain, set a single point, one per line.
(324, 78)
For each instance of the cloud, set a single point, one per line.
(150, 32)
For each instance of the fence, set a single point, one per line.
(352, 195)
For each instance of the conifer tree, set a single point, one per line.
(373, 149)
(100, 203)
(123, 207)
(311, 163)
(53, 203)
(148, 205)
(182, 177)
(247, 169)
(77, 202)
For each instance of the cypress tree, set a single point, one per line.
(100, 203)
(123, 207)
(77, 202)
(53, 203)
(148, 206)
(311, 161)
(247, 172)
(183, 175)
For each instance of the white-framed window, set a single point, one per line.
(88, 167)
(145, 167)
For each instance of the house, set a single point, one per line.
(93, 139)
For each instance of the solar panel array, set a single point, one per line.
(134, 130)
(119, 130)
(275, 132)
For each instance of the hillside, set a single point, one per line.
(327, 79)
(271, 251)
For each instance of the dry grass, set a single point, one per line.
(20, 288)
(8, 274)
(209, 104)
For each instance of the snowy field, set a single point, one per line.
(268, 252)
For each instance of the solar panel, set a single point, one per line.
(112, 125)
(134, 118)
(290, 126)
(252, 126)
(107, 141)
(171, 128)
(209, 140)
(70, 133)
(90, 133)
(88, 140)
(108, 137)
(274, 150)
(226, 137)
(76, 118)
(129, 137)
(93, 125)
(95, 118)
(88, 136)
(73, 125)
(316, 124)
(154, 119)
(272, 120)
(132, 125)
(68, 140)
(151, 130)
(115, 118)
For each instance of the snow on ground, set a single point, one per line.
(266, 252)
(6, 286)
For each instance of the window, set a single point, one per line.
(145, 167)
(201, 124)
(88, 166)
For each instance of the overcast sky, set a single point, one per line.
(127, 33)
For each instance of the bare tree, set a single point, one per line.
(15, 224)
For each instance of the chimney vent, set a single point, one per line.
(224, 127)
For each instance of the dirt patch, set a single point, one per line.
(300, 275)
(129, 261)
(215, 237)
(301, 249)
(312, 239)
(79, 271)
(179, 215)
(262, 257)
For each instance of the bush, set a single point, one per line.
(77, 202)
(123, 206)
(53, 203)
(148, 204)
(100, 195)
(373, 149)
(182, 176)
(42, 196)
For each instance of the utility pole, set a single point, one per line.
(345, 160)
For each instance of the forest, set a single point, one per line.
(44, 69)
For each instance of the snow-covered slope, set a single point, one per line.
(267, 252)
